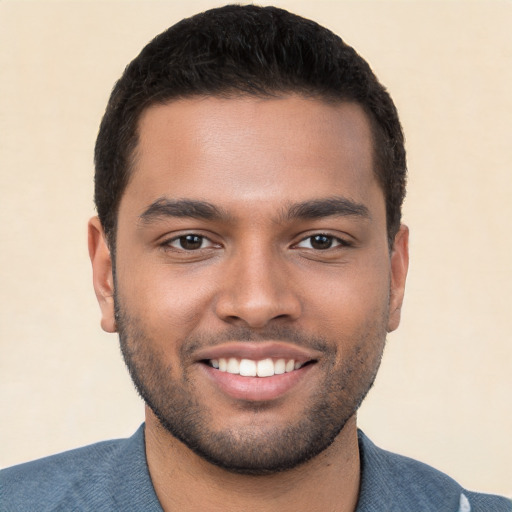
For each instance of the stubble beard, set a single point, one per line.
(255, 449)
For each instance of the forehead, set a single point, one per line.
(260, 150)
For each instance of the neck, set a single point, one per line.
(183, 481)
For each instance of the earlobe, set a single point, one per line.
(399, 267)
(103, 280)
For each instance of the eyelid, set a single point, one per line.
(337, 241)
(172, 242)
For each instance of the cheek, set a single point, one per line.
(349, 295)
(171, 303)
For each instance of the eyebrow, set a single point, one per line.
(328, 207)
(164, 207)
(313, 209)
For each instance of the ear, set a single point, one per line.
(399, 267)
(102, 276)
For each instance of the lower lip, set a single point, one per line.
(256, 389)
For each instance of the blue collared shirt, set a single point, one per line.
(114, 476)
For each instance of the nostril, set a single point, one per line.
(256, 305)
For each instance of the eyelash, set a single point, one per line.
(330, 240)
(182, 239)
(199, 239)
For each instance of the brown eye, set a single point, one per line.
(321, 242)
(190, 242)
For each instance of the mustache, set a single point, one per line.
(188, 345)
(191, 344)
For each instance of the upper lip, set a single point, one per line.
(258, 351)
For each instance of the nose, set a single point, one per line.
(257, 290)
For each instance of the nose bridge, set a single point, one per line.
(256, 289)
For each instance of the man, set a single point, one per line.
(249, 251)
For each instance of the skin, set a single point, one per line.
(256, 278)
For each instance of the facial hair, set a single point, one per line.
(257, 448)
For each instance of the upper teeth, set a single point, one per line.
(249, 368)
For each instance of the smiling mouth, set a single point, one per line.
(267, 367)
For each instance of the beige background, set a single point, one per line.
(444, 392)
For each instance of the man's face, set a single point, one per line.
(253, 280)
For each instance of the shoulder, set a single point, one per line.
(94, 477)
(396, 483)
